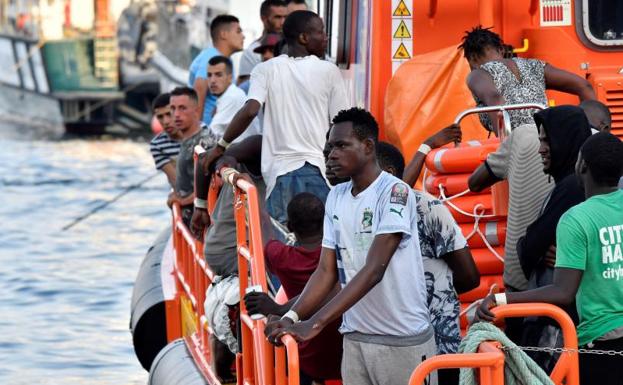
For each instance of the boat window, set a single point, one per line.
(337, 16)
(602, 22)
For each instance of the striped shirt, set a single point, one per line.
(163, 149)
(518, 160)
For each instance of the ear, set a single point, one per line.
(370, 147)
(391, 170)
(583, 167)
(303, 40)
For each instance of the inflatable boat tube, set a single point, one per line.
(174, 365)
(148, 319)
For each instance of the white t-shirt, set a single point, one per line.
(396, 306)
(301, 96)
(249, 59)
(227, 105)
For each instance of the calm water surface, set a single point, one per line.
(65, 302)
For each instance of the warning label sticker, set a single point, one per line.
(401, 10)
(401, 31)
(401, 53)
(555, 13)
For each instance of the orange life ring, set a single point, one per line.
(467, 203)
(486, 281)
(462, 159)
(452, 184)
(494, 231)
(487, 262)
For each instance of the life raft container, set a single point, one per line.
(494, 232)
(448, 172)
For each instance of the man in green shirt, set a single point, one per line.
(589, 261)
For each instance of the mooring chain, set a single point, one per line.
(564, 350)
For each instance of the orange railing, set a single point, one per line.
(259, 362)
(490, 359)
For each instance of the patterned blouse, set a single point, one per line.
(529, 88)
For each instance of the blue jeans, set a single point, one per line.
(305, 179)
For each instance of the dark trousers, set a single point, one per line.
(602, 369)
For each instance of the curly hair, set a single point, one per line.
(305, 214)
(603, 154)
(390, 156)
(476, 40)
(364, 124)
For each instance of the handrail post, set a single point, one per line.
(567, 366)
(262, 363)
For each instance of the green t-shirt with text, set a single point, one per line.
(589, 237)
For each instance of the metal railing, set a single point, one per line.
(490, 358)
(258, 362)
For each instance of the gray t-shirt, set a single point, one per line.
(185, 180)
(220, 241)
(518, 160)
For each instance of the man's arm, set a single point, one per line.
(481, 179)
(258, 302)
(379, 255)
(465, 274)
(562, 293)
(239, 123)
(248, 152)
(561, 80)
(452, 133)
(202, 89)
(169, 170)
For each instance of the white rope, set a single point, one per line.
(447, 200)
(476, 230)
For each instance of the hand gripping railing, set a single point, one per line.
(260, 362)
(490, 358)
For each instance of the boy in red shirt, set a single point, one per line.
(320, 358)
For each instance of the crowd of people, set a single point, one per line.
(374, 274)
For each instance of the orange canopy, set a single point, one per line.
(425, 95)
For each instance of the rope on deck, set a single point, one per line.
(519, 369)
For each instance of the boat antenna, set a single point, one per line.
(109, 202)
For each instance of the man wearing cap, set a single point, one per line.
(266, 50)
(273, 14)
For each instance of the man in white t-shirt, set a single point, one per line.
(273, 13)
(300, 94)
(229, 100)
(370, 246)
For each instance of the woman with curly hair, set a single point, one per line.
(497, 79)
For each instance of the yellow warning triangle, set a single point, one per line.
(402, 10)
(402, 32)
(401, 52)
